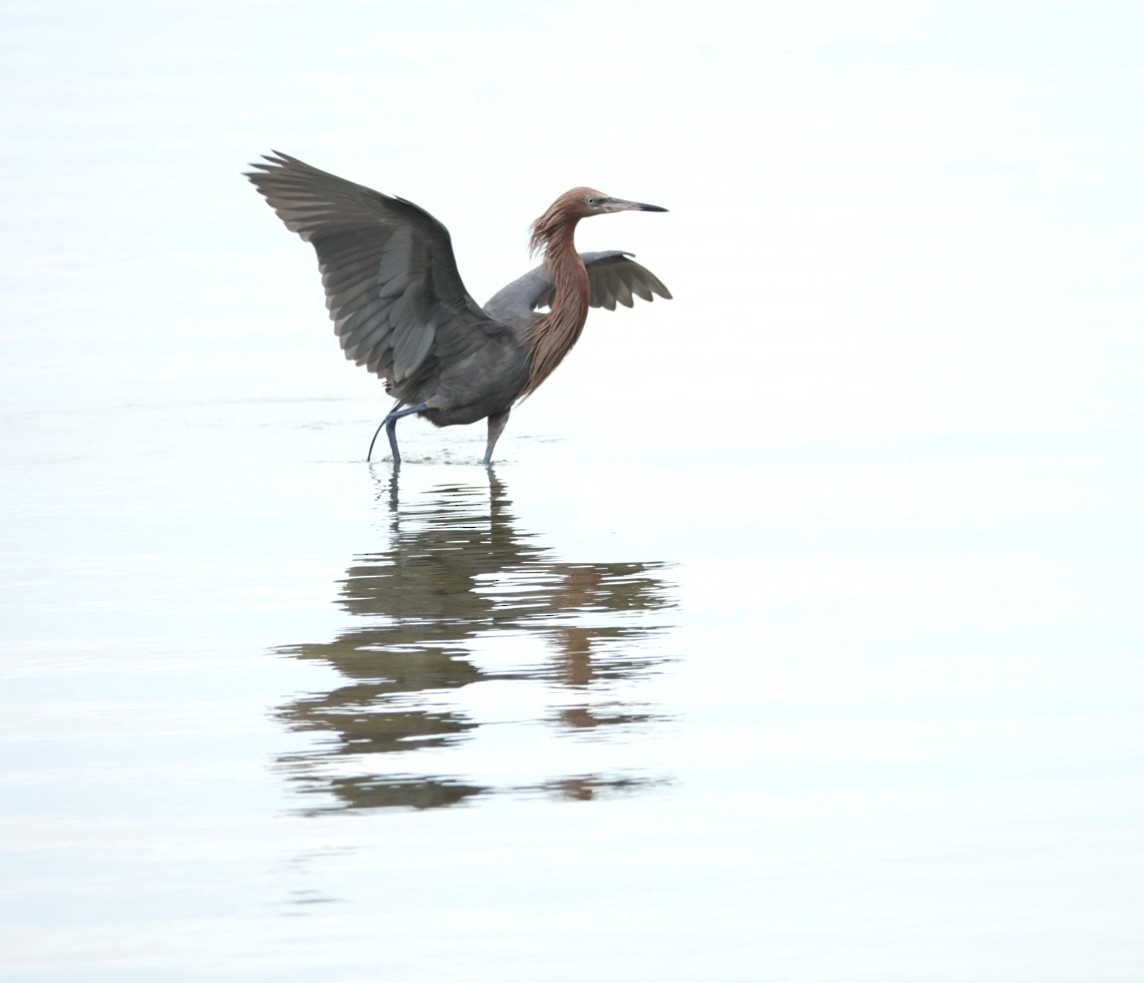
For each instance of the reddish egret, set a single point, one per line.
(400, 309)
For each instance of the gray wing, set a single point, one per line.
(391, 279)
(612, 275)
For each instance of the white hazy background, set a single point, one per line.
(888, 220)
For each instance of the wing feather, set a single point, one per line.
(390, 276)
(343, 275)
(360, 350)
(348, 290)
(362, 319)
(613, 276)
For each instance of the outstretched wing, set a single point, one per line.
(391, 279)
(612, 275)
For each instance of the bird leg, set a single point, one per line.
(390, 424)
(496, 425)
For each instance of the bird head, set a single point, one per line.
(570, 207)
(585, 202)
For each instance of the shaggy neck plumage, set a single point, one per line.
(554, 334)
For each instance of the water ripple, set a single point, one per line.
(468, 641)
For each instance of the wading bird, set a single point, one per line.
(400, 309)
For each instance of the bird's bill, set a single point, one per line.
(621, 205)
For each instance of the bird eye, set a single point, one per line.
(590, 200)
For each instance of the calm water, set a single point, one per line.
(303, 716)
(795, 636)
(461, 596)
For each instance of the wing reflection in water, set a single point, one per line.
(459, 598)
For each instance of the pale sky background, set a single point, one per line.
(888, 220)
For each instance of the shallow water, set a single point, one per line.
(309, 716)
(461, 596)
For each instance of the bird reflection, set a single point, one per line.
(460, 597)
